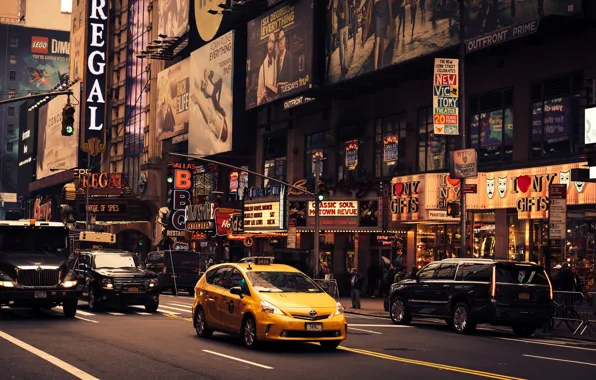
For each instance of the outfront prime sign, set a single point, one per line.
(95, 78)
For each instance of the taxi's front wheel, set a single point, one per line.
(249, 332)
(329, 344)
(200, 326)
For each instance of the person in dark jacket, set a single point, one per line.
(565, 279)
(355, 286)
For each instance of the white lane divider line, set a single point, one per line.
(85, 319)
(112, 313)
(80, 374)
(174, 308)
(365, 325)
(238, 359)
(559, 360)
(143, 313)
(363, 330)
(160, 309)
(358, 316)
(78, 311)
(546, 344)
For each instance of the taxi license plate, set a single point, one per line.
(40, 295)
(524, 296)
(132, 290)
(314, 327)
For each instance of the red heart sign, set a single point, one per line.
(453, 181)
(399, 188)
(523, 183)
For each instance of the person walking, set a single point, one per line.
(355, 287)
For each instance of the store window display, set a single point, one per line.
(436, 242)
(484, 235)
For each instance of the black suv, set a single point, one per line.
(116, 277)
(466, 292)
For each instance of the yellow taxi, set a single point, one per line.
(263, 301)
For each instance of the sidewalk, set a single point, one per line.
(373, 307)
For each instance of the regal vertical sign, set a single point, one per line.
(95, 78)
(557, 214)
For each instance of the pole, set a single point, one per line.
(462, 120)
(317, 220)
(173, 272)
(87, 194)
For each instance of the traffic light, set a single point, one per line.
(321, 191)
(453, 209)
(68, 120)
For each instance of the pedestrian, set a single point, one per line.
(565, 279)
(400, 275)
(413, 273)
(355, 287)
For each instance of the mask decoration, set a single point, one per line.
(502, 186)
(579, 186)
(490, 187)
(565, 178)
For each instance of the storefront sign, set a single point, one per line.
(181, 197)
(351, 154)
(470, 188)
(300, 184)
(103, 208)
(557, 218)
(199, 217)
(334, 208)
(42, 211)
(262, 216)
(464, 163)
(527, 190)
(102, 180)
(446, 96)
(237, 223)
(223, 224)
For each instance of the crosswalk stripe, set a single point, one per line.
(143, 313)
(111, 313)
(79, 311)
(175, 308)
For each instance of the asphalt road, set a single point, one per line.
(132, 344)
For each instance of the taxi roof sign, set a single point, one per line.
(97, 237)
(259, 260)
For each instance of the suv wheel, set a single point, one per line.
(92, 300)
(463, 322)
(201, 326)
(398, 312)
(524, 331)
(152, 307)
(69, 308)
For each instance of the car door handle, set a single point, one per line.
(224, 298)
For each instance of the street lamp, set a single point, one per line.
(86, 196)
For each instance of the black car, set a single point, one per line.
(34, 270)
(177, 270)
(465, 292)
(116, 277)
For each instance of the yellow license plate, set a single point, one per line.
(524, 296)
(133, 290)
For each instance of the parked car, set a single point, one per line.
(466, 292)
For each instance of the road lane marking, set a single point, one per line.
(49, 358)
(174, 308)
(429, 364)
(112, 313)
(559, 360)
(368, 331)
(365, 325)
(360, 316)
(143, 313)
(238, 359)
(85, 319)
(189, 305)
(546, 344)
(160, 309)
(78, 311)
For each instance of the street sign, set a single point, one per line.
(557, 215)
(470, 188)
(291, 241)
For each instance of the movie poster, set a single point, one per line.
(211, 97)
(173, 100)
(368, 35)
(173, 18)
(279, 53)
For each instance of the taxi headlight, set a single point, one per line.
(268, 307)
(339, 309)
(107, 283)
(69, 283)
(7, 284)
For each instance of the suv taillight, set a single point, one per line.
(493, 285)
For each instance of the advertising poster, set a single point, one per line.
(77, 63)
(365, 36)
(279, 53)
(445, 96)
(173, 100)
(173, 17)
(211, 99)
(207, 24)
(390, 150)
(55, 151)
(351, 154)
(590, 126)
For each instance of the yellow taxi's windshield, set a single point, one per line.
(282, 282)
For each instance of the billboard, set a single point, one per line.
(55, 151)
(173, 17)
(173, 100)
(374, 35)
(77, 48)
(280, 53)
(207, 24)
(211, 99)
(27, 147)
(38, 60)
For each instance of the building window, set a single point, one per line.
(12, 93)
(12, 75)
(555, 115)
(316, 145)
(10, 111)
(275, 165)
(13, 59)
(10, 129)
(432, 149)
(390, 144)
(491, 128)
(9, 147)
(14, 41)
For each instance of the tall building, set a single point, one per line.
(43, 14)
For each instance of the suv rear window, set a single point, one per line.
(474, 272)
(521, 274)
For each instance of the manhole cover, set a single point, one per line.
(402, 349)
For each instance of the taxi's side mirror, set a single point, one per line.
(237, 290)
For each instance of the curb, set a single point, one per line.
(366, 314)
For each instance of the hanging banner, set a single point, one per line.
(390, 149)
(233, 188)
(315, 156)
(464, 163)
(446, 96)
(351, 154)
